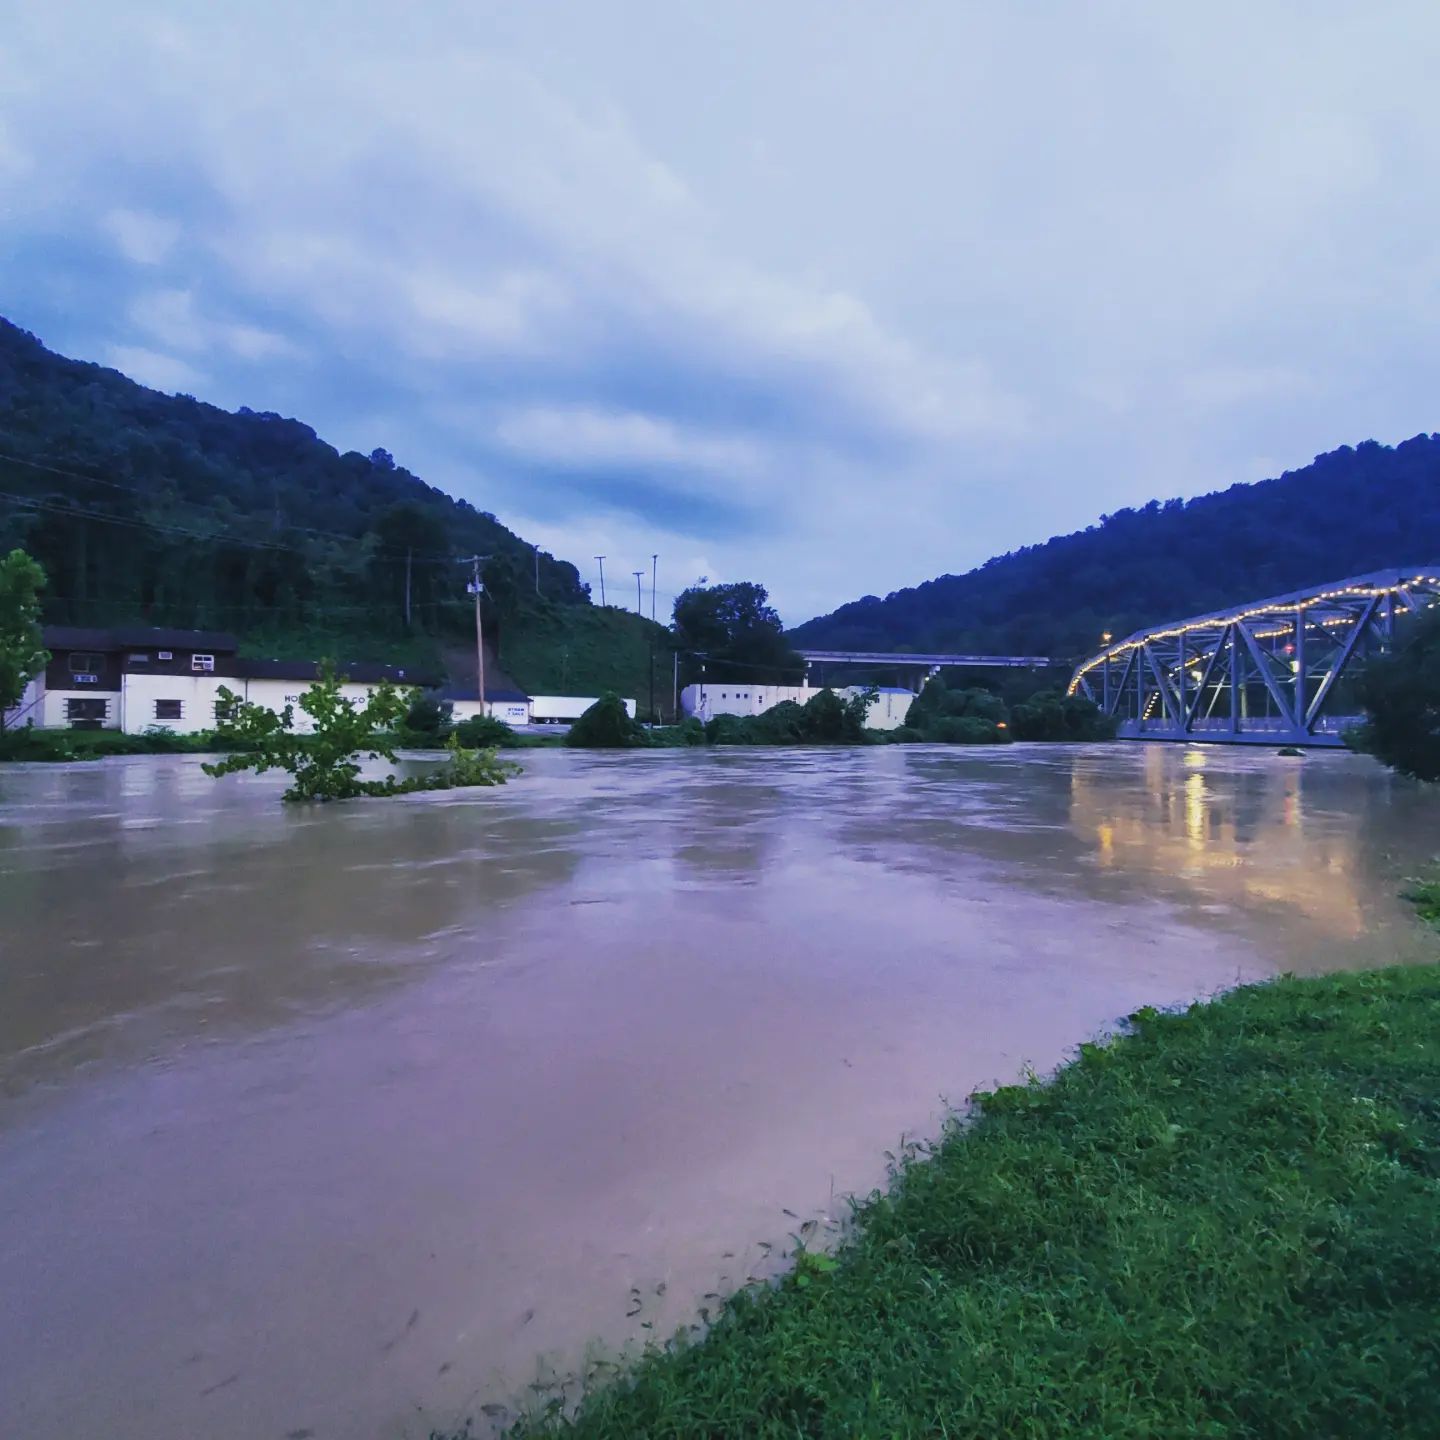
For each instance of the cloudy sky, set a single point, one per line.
(834, 296)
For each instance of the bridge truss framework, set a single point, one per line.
(1277, 671)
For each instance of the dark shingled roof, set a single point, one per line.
(136, 637)
(362, 672)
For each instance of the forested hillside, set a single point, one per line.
(1350, 511)
(159, 508)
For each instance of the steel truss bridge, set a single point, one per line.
(1276, 671)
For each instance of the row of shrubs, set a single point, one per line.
(937, 716)
(29, 742)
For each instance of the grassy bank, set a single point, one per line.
(587, 650)
(1226, 1223)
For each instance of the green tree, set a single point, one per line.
(325, 764)
(607, 725)
(1401, 695)
(737, 629)
(22, 656)
(1054, 715)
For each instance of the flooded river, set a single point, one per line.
(330, 1121)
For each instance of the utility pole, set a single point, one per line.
(537, 569)
(638, 601)
(601, 559)
(477, 589)
(654, 565)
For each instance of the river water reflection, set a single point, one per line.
(327, 1122)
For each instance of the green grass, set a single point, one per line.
(1425, 896)
(586, 650)
(1225, 1223)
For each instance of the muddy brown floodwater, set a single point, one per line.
(332, 1122)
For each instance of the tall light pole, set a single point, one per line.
(654, 571)
(601, 559)
(638, 601)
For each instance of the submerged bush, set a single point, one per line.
(607, 725)
(427, 718)
(480, 732)
(824, 719)
(687, 733)
(966, 730)
(325, 763)
(1053, 715)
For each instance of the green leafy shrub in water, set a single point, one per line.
(966, 730)
(824, 719)
(427, 719)
(607, 725)
(325, 764)
(480, 732)
(1401, 695)
(687, 733)
(1053, 715)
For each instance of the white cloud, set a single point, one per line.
(916, 288)
(142, 238)
(153, 368)
(582, 435)
(172, 318)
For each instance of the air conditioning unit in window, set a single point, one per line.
(164, 654)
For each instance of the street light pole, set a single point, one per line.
(601, 559)
(654, 570)
(638, 601)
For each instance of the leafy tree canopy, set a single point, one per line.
(161, 509)
(1401, 695)
(738, 631)
(607, 725)
(22, 656)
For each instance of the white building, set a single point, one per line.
(510, 706)
(136, 679)
(738, 697)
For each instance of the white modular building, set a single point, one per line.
(738, 697)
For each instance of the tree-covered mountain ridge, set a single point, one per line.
(147, 506)
(1352, 510)
(161, 509)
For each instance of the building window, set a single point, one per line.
(137, 657)
(84, 663)
(202, 662)
(86, 713)
(169, 710)
(164, 654)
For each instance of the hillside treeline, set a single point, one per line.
(1350, 511)
(160, 508)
